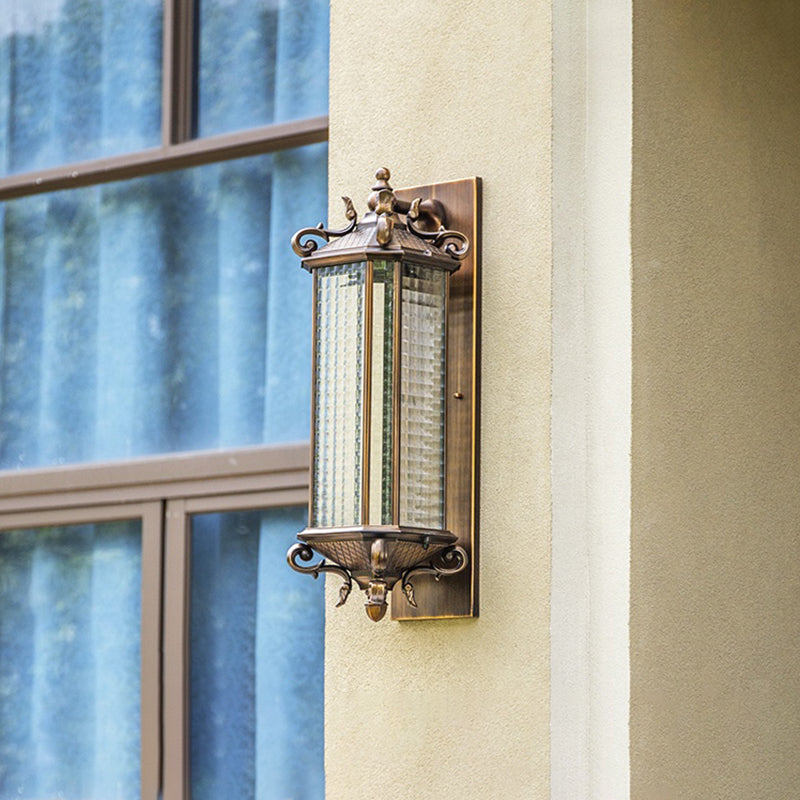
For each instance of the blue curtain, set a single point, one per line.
(265, 63)
(290, 682)
(155, 315)
(79, 79)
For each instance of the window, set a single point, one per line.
(154, 361)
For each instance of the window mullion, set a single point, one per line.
(178, 102)
(151, 643)
(175, 709)
(196, 152)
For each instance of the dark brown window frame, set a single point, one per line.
(270, 468)
(150, 513)
(32, 489)
(179, 148)
(197, 152)
(165, 490)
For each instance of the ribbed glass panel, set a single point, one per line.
(380, 445)
(339, 312)
(422, 387)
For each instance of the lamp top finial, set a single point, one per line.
(381, 201)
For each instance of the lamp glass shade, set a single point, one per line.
(338, 404)
(379, 426)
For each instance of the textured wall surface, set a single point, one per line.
(458, 709)
(715, 578)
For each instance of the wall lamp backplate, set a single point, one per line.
(456, 595)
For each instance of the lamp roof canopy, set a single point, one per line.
(420, 238)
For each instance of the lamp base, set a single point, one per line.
(355, 548)
(376, 558)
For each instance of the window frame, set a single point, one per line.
(150, 514)
(179, 147)
(176, 729)
(190, 474)
(163, 490)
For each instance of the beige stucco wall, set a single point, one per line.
(715, 576)
(440, 91)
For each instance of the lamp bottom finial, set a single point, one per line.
(376, 600)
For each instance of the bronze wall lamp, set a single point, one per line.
(394, 432)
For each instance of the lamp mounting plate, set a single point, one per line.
(456, 595)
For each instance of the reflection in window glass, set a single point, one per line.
(261, 61)
(257, 632)
(78, 80)
(69, 662)
(161, 314)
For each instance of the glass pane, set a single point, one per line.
(261, 61)
(79, 79)
(422, 386)
(339, 378)
(70, 606)
(257, 661)
(161, 314)
(380, 445)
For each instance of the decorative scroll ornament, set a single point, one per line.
(306, 248)
(305, 553)
(423, 218)
(344, 593)
(437, 237)
(447, 562)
